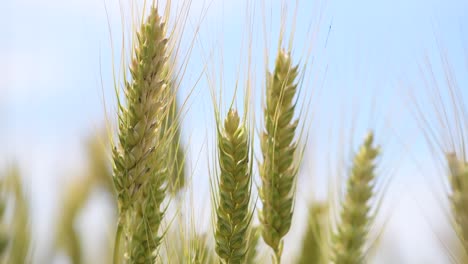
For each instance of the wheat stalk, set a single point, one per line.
(234, 190)
(278, 170)
(458, 174)
(140, 164)
(77, 194)
(348, 241)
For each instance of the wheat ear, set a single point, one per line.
(279, 169)
(233, 213)
(348, 242)
(458, 174)
(314, 244)
(139, 158)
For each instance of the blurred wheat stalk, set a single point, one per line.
(15, 232)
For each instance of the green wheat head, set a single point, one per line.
(233, 212)
(349, 240)
(140, 163)
(278, 170)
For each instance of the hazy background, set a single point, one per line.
(56, 87)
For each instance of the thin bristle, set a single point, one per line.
(176, 155)
(252, 247)
(278, 170)
(350, 238)
(233, 211)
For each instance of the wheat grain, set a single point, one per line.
(233, 210)
(352, 231)
(278, 169)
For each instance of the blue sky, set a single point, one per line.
(54, 53)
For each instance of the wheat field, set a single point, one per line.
(210, 131)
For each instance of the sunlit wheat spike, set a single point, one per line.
(279, 167)
(233, 211)
(140, 163)
(458, 175)
(353, 228)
